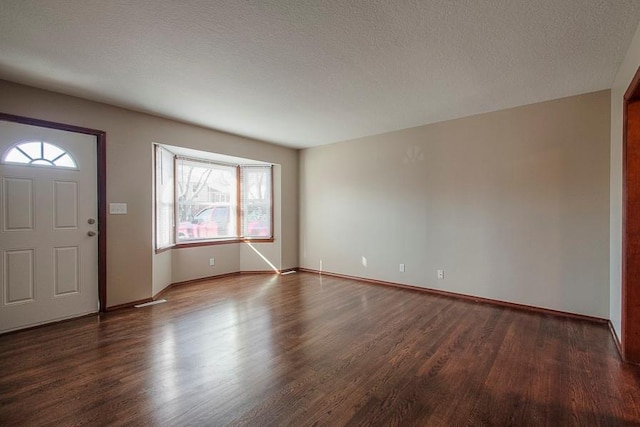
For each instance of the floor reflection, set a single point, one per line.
(223, 347)
(303, 349)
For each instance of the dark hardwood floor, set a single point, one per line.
(304, 350)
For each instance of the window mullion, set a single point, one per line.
(176, 208)
(239, 207)
(271, 200)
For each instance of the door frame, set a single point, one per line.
(101, 145)
(630, 340)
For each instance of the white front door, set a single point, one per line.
(48, 225)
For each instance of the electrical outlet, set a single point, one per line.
(212, 262)
(440, 274)
(364, 262)
(401, 268)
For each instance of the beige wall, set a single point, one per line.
(132, 273)
(193, 263)
(162, 275)
(625, 73)
(513, 205)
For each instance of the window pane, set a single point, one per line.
(41, 162)
(51, 151)
(32, 149)
(164, 198)
(65, 161)
(16, 156)
(256, 201)
(207, 200)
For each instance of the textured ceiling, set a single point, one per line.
(305, 73)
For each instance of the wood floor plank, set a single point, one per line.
(304, 349)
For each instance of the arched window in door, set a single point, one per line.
(39, 153)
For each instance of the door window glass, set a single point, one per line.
(39, 153)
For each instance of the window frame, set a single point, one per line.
(241, 202)
(157, 153)
(176, 159)
(239, 238)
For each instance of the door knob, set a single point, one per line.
(91, 233)
(91, 221)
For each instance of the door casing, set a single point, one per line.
(630, 339)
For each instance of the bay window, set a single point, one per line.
(201, 200)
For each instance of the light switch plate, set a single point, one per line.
(118, 208)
